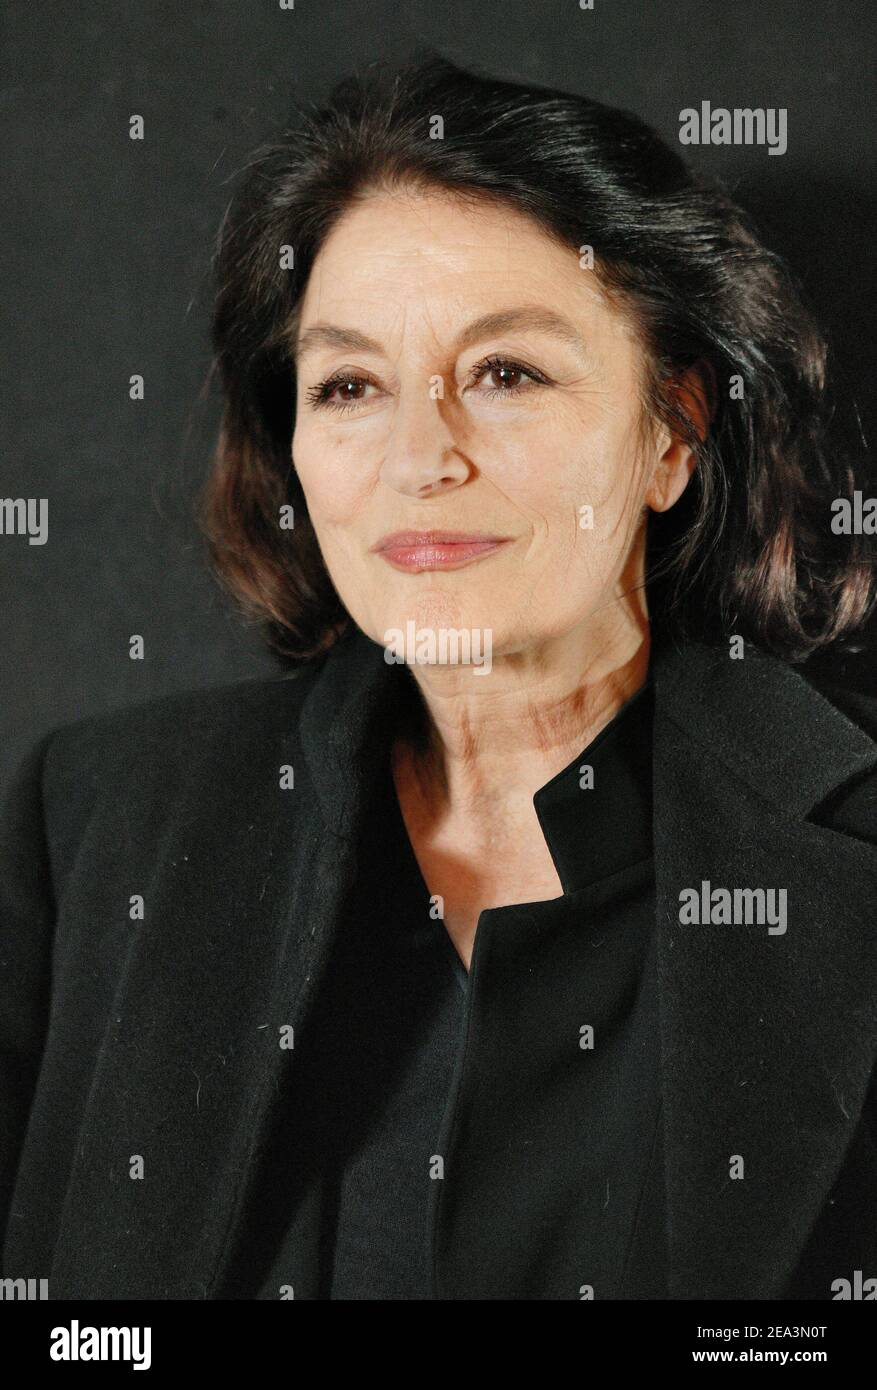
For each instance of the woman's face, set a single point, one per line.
(427, 403)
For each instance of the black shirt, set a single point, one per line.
(493, 1134)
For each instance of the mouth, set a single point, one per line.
(413, 551)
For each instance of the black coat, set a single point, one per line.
(160, 1037)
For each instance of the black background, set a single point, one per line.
(108, 245)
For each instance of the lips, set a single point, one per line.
(436, 550)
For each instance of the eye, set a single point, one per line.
(515, 377)
(352, 390)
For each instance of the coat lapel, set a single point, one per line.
(768, 1041)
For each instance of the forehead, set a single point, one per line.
(437, 228)
(448, 258)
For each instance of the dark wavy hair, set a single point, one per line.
(748, 549)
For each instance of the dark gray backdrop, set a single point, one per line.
(108, 244)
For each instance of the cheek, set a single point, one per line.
(605, 472)
(335, 478)
(580, 491)
(554, 473)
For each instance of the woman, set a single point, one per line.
(516, 942)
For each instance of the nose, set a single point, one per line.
(422, 456)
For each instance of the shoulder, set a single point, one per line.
(804, 739)
(762, 692)
(191, 713)
(152, 742)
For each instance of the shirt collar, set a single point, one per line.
(596, 824)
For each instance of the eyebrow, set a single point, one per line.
(535, 318)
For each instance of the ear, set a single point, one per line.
(695, 392)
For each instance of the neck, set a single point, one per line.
(492, 742)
